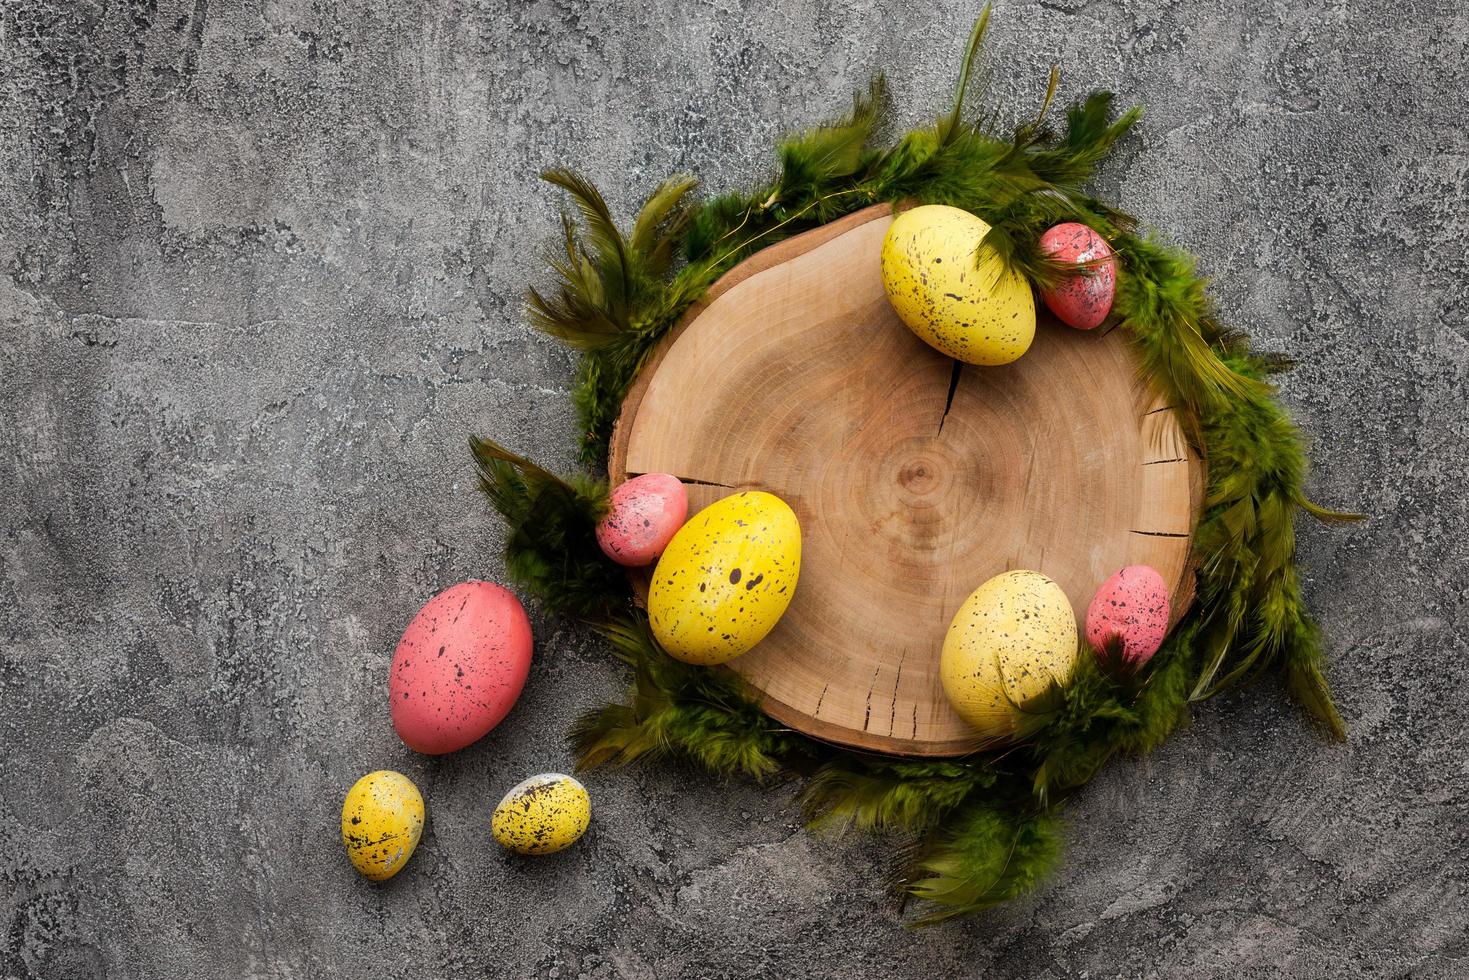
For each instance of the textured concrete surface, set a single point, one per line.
(262, 268)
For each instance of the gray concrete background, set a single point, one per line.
(263, 265)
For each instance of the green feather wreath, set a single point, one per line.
(986, 828)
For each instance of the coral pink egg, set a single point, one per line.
(1082, 300)
(459, 668)
(1131, 607)
(646, 512)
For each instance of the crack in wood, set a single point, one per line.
(706, 483)
(897, 682)
(867, 718)
(1175, 459)
(817, 712)
(1165, 408)
(693, 482)
(954, 372)
(1162, 534)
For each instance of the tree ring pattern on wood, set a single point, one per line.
(915, 479)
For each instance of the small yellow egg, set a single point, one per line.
(1009, 642)
(542, 815)
(382, 820)
(958, 298)
(726, 578)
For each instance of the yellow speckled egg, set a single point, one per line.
(543, 815)
(726, 578)
(979, 313)
(1011, 639)
(382, 820)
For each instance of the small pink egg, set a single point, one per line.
(646, 512)
(1082, 300)
(1130, 607)
(459, 668)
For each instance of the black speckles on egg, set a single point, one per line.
(382, 821)
(748, 537)
(989, 320)
(441, 660)
(1009, 641)
(542, 815)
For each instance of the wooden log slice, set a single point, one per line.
(915, 478)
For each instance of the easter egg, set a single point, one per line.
(726, 578)
(1009, 642)
(1131, 607)
(459, 668)
(382, 820)
(1084, 299)
(644, 515)
(542, 815)
(957, 297)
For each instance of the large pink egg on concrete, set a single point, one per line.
(1131, 608)
(1082, 300)
(460, 666)
(645, 513)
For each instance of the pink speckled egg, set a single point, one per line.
(1082, 300)
(459, 668)
(646, 512)
(1130, 607)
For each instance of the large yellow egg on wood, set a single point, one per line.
(542, 815)
(958, 298)
(1010, 641)
(382, 821)
(726, 578)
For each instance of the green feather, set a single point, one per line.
(952, 124)
(870, 794)
(659, 225)
(551, 547)
(983, 856)
(680, 710)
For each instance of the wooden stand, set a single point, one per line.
(915, 478)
